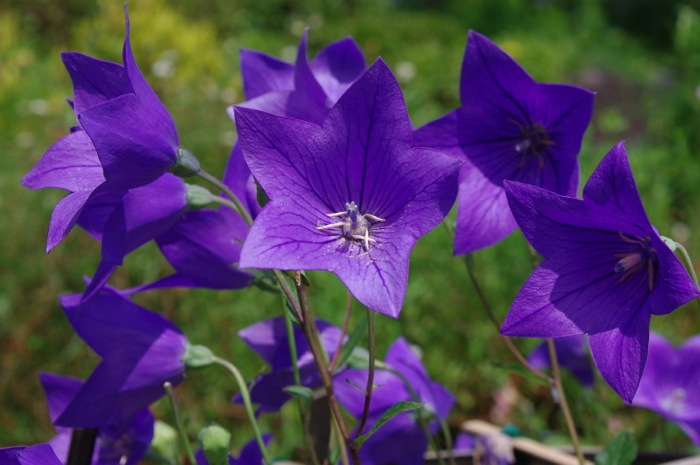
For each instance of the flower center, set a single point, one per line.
(533, 140)
(674, 403)
(353, 225)
(642, 257)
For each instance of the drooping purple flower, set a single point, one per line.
(114, 446)
(404, 432)
(303, 90)
(572, 353)
(268, 339)
(509, 127)
(115, 164)
(669, 384)
(250, 454)
(351, 196)
(41, 454)
(606, 270)
(140, 351)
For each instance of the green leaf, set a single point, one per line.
(299, 391)
(622, 450)
(355, 336)
(399, 407)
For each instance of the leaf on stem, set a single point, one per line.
(399, 407)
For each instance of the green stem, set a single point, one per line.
(489, 311)
(248, 405)
(370, 374)
(225, 202)
(321, 358)
(343, 332)
(448, 441)
(556, 372)
(229, 193)
(178, 423)
(289, 326)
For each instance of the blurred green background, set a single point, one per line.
(642, 57)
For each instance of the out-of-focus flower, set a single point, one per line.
(351, 196)
(606, 270)
(268, 339)
(572, 354)
(403, 432)
(508, 127)
(670, 383)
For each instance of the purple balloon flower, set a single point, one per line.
(605, 271)
(268, 339)
(41, 454)
(115, 164)
(303, 90)
(114, 446)
(670, 385)
(508, 127)
(404, 432)
(572, 353)
(140, 351)
(351, 196)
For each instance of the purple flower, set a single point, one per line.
(508, 127)
(114, 446)
(605, 271)
(115, 163)
(41, 454)
(268, 339)
(303, 90)
(572, 353)
(404, 432)
(494, 449)
(351, 196)
(669, 384)
(250, 454)
(140, 351)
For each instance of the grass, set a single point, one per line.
(645, 96)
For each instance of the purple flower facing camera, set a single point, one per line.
(509, 127)
(351, 196)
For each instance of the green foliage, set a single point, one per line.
(622, 450)
(397, 408)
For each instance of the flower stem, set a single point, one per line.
(289, 326)
(321, 358)
(556, 372)
(248, 405)
(225, 202)
(343, 332)
(370, 374)
(178, 423)
(229, 193)
(509, 343)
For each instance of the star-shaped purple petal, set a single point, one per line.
(509, 127)
(352, 196)
(41, 454)
(605, 271)
(669, 384)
